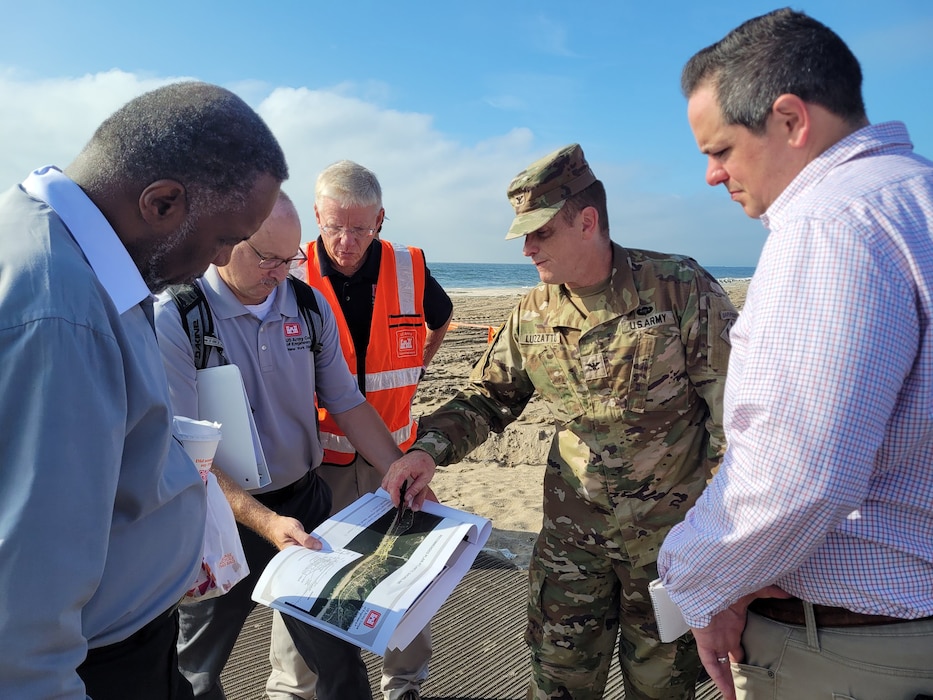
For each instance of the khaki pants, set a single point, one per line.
(402, 669)
(874, 662)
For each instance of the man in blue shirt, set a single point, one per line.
(101, 511)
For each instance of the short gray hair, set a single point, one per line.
(349, 184)
(782, 52)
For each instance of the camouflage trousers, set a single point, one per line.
(583, 597)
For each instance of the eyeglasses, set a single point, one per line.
(357, 233)
(275, 263)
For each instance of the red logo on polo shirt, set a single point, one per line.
(372, 618)
(292, 329)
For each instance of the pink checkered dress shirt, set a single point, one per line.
(826, 488)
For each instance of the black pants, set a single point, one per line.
(143, 667)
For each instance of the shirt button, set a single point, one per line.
(264, 347)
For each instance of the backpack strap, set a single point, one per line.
(198, 323)
(308, 307)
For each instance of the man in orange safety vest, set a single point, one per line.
(392, 316)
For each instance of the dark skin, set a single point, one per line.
(155, 225)
(162, 205)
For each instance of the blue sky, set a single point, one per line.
(445, 101)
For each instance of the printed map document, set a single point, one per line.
(376, 583)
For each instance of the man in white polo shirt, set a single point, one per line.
(284, 361)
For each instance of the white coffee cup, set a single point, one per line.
(200, 439)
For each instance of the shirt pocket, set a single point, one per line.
(658, 379)
(553, 369)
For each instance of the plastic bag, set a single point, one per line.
(223, 561)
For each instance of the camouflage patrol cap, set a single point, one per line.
(539, 191)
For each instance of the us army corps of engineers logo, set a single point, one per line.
(405, 343)
(295, 339)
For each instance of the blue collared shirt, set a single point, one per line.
(101, 511)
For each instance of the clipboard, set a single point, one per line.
(222, 398)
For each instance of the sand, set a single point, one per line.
(501, 480)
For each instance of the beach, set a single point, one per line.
(501, 480)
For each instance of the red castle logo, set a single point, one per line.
(405, 343)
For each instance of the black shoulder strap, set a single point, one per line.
(307, 306)
(198, 322)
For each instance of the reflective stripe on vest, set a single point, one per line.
(340, 443)
(392, 379)
(405, 274)
(396, 346)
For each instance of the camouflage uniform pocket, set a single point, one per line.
(659, 380)
(553, 371)
(534, 631)
(641, 370)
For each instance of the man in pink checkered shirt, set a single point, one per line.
(806, 568)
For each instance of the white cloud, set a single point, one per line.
(444, 196)
(48, 121)
(508, 103)
(440, 194)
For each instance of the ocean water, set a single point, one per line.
(505, 278)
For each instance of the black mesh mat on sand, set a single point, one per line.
(478, 649)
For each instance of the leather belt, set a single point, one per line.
(273, 499)
(790, 611)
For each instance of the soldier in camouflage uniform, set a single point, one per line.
(628, 348)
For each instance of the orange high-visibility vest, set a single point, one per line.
(395, 356)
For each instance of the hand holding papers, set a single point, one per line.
(388, 572)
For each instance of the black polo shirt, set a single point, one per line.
(357, 293)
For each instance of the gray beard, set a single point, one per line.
(154, 274)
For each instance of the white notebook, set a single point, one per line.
(222, 398)
(671, 623)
